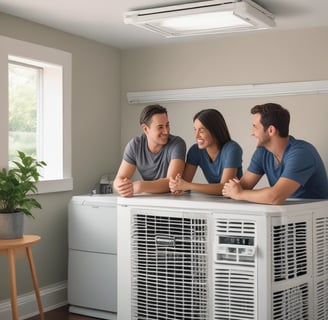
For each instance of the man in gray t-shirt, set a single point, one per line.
(156, 154)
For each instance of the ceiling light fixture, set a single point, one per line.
(206, 17)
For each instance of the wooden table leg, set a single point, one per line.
(13, 289)
(35, 281)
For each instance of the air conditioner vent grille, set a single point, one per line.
(169, 268)
(321, 307)
(235, 294)
(320, 244)
(240, 227)
(289, 251)
(291, 304)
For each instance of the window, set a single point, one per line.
(37, 109)
(24, 84)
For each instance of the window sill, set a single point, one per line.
(48, 186)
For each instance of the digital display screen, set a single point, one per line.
(244, 241)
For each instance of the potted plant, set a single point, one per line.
(16, 186)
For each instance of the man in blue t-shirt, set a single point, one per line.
(156, 154)
(293, 167)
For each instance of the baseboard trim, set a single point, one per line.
(101, 314)
(52, 297)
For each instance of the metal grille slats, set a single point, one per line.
(321, 244)
(239, 227)
(235, 287)
(291, 304)
(289, 251)
(234, 294)
(321, 268)
(169, 268)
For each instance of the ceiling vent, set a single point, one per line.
(200, 18)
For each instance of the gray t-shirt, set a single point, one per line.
(153, 166)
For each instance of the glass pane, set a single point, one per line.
(23, 106)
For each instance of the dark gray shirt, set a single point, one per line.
(153, 166)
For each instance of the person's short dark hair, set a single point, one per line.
(273, 114)
(149, 111)
(214, 122)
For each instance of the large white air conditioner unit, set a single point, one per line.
(199, 18)
(206, 258)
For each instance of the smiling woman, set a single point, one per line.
(219, 157)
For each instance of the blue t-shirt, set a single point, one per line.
(230, 156)
(153, 166)
(301, 162)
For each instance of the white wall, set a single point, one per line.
(243, 58)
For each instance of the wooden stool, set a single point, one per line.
(9, 247)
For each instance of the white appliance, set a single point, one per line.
(92, 260)
(204, 17)
(209, 258)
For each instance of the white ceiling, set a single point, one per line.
(102, 20)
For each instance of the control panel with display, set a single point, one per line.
(236, 249)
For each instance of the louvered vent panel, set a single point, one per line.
(240, 227)
(235, 294)
(289, 251)
(321, 307)
(169, 268)
(321, 245)
(291, 304)
(321, 268)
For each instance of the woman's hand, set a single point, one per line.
(176, 184)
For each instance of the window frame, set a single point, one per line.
(39, 54)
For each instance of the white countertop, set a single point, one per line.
(197, 201)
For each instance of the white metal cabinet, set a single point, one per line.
(92, 266)
(206, 257)
(93, 280)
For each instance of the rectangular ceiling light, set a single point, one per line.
(206, 17)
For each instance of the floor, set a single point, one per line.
(61, 314)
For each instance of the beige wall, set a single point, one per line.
(95, 143)
(244, 58)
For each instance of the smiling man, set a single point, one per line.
(293, 167)
(156, 154)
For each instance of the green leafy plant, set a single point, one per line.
(18, 183)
